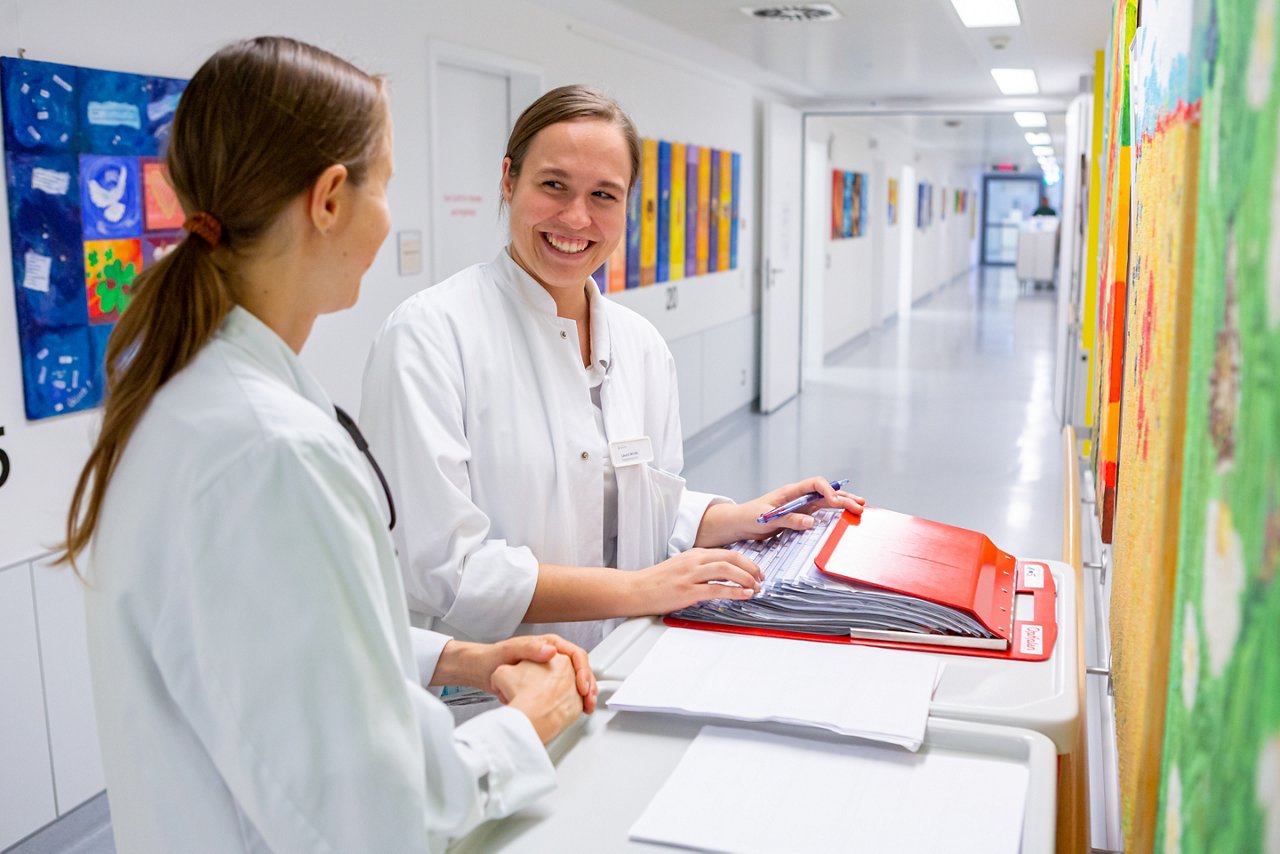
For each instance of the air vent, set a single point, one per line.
(794, 12)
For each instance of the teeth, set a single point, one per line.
(567, 244)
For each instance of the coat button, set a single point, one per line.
(585, 455)
(564, 334)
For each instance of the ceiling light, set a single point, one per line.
(1042, 150)
(1030, 120)
(794, 12)
(987, 13)
(1039, 139)
(1016, 81)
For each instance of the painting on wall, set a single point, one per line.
(89, 202)
(924, 205)
(893, 201)
(849, 208)
(1220, 787)
(1166, 132)
(683, 217)
(1114, 263)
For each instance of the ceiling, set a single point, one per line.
(899, 50)
(975, 140)
(911, 61)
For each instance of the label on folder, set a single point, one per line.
(631, 452)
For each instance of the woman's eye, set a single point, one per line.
(601, 194)
(554, 185)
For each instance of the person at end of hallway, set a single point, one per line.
(256, 680)
(532, 427)
(1045, 208)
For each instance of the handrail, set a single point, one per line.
(1073, 769)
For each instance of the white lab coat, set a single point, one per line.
(257, 684)
(477, 405)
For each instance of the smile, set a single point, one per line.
(566, 245)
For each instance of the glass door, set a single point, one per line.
(1008, 200)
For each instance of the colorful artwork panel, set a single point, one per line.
(679, 205)
(893, 201)
(1166, 120)
(41, 106)
(837, 204)
(110, 196)
(44, 227)
(161, 210)
(692, 210)
(58, 376)
(1220, 787)
(713, 213)
(156, 246)
(734, 210)
(110, 268)
(73, 138)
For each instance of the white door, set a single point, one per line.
(780, 269)
(472, 113)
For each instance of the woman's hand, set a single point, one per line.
(474, 664)
(727, 523)
(542, 649)
(544, 691)
(690, 578)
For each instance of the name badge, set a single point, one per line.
(631, 452)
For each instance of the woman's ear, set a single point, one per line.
(508, 180)
(324, 200)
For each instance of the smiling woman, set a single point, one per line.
(531, 427)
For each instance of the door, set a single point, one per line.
(780, 254)
(1008, 201)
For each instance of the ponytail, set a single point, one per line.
(178, 304)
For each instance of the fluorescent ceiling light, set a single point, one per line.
(1039, 139)
(1016, 81)
(1030, 120)
(987, 13)
(1042, 150)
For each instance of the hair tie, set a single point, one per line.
(207, 226)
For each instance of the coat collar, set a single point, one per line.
(242, 330)
(513, 279)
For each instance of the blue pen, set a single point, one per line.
(797, 503)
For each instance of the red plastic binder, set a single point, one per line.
(951, 566)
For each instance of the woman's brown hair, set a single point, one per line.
(566, 104)
(256, 126)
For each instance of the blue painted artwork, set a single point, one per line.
(41, 106)
(736, 168)
(58, 372)
(48, 263)
(110, 196)
(664, 211)
(73, 137)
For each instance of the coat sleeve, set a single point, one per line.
(412, 412)
(297, 684)
(669, 456)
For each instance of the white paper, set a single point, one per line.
(851, 690)
(36, 277)
(50, 181)
(824, 796)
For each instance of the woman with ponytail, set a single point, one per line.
(256, 681)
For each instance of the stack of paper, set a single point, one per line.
(797, 597)
(809, 795)
(852, 690)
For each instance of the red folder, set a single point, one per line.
(951, 566)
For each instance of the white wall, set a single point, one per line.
(710, 322)
(860, 285)
(667, 99)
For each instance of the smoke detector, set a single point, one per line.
(1000, 41)
(794, 12)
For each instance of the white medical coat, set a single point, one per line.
(257, 683)
(477, 405)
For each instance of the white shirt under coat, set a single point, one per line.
(258, 686)
(478, 406)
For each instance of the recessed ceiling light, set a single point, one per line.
(1042, 150)
(987, 13)
(1039, 139)
(1030, 120)
(1016, 81)
(796, 12)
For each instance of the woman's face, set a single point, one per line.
(363, 231)
(568, 205)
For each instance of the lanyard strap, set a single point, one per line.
(349, 424)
